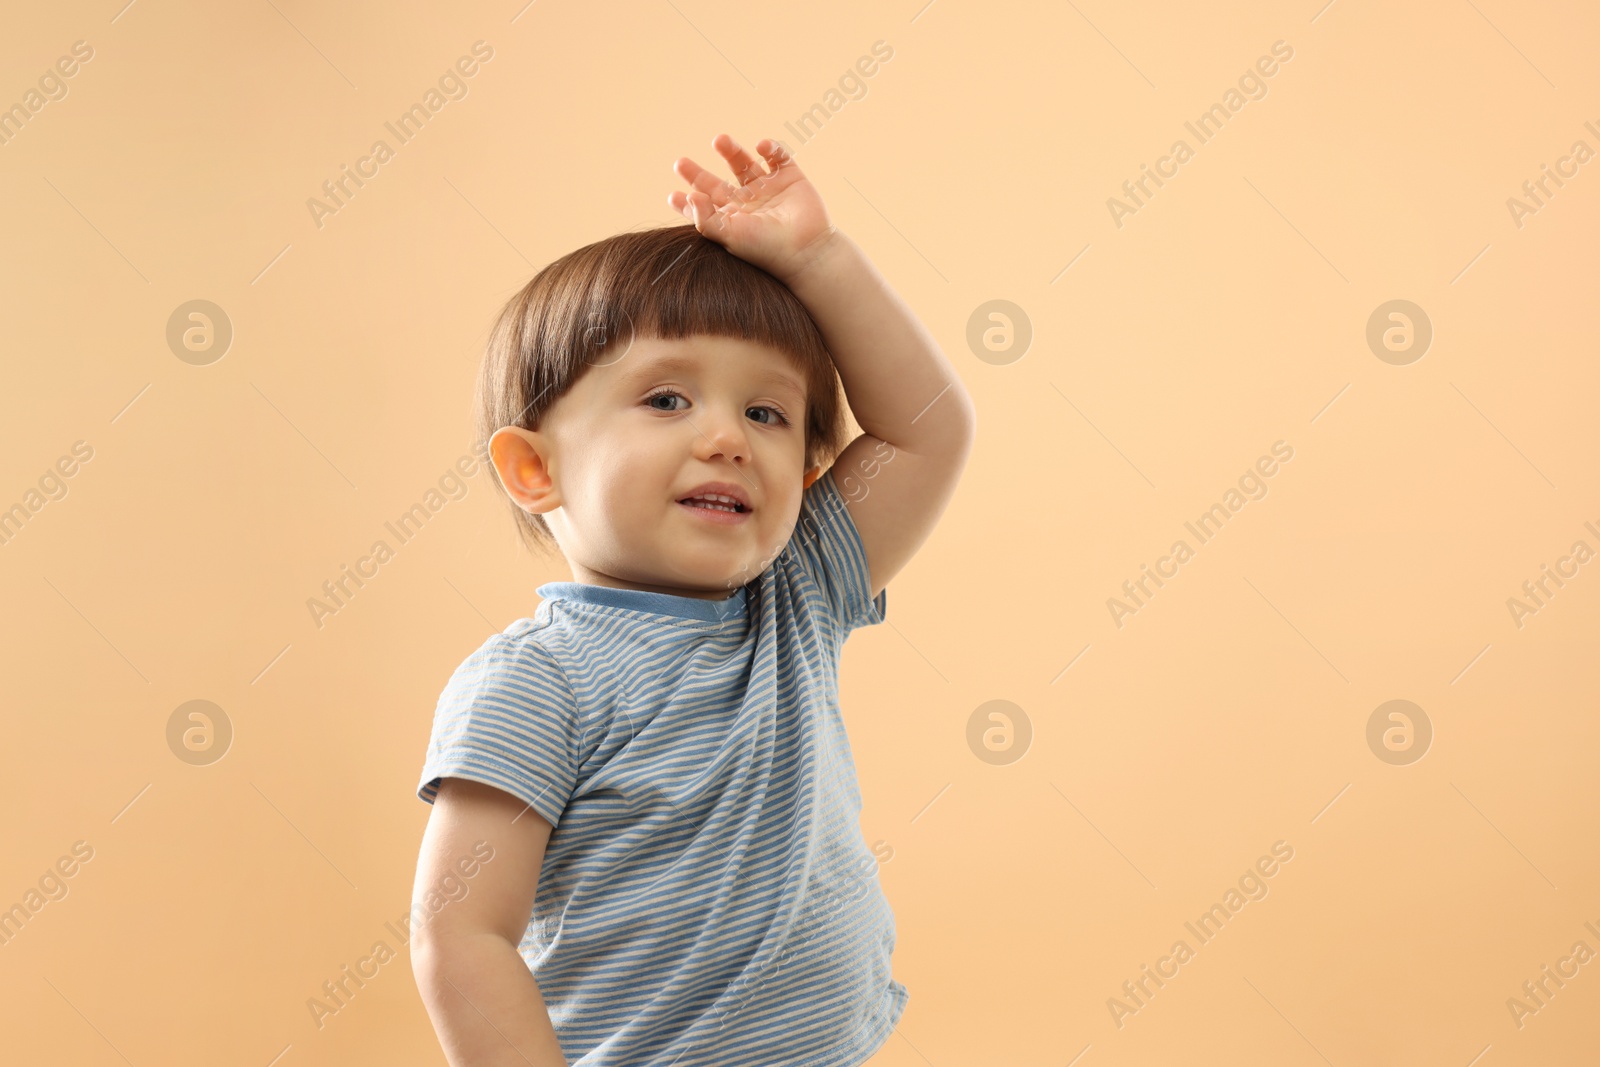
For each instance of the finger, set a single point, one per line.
(744, 165)
(702, 212)
(718, 190)
(776, 155)
(680, 202)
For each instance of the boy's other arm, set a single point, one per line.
(918, 421)
(483, 1000)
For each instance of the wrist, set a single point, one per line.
(812, 261)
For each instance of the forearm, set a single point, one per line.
(484, 1003)
(900, 386)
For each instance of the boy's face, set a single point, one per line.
(637, 434)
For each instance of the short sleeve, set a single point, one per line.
(507, 718)
(827, 546)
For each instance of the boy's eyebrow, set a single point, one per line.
(671, 364)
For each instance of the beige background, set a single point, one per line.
(1228, 313)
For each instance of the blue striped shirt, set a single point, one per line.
(707, 897)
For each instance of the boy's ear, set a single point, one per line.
(520, 459)
(811, 475)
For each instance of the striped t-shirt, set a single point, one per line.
(707, 897)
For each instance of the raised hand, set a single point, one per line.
(772, 218)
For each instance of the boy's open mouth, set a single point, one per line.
(715, 502)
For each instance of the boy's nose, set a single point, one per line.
(722, 434)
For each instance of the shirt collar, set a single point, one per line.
(687, 607)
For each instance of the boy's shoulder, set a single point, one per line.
(527, 648)
(826, 549)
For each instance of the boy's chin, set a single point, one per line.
(715, 578)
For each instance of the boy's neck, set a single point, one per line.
(585, 576)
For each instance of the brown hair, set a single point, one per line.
(670, 282)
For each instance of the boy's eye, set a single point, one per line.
(778, 417)
(664, 395)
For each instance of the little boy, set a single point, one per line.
(656, 761)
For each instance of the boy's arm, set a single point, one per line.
(482, 998)
(918, 420)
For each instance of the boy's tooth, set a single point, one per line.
(717, 499)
